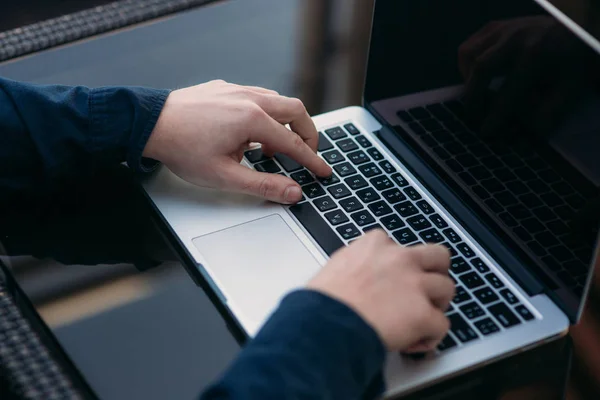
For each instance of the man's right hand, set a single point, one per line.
(401, 292)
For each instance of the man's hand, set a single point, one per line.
(203, 131)
(401, 292)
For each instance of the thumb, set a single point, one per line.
(273, 187)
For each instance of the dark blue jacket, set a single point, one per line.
(312, 347)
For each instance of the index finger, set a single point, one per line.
(280, 139)
(288, 110)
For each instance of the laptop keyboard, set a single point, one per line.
(366, 192)
(529, 197)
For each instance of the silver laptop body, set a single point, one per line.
(251, 252)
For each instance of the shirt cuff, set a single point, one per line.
(350, 353)
(121, 122)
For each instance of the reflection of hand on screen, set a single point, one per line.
(540, 63)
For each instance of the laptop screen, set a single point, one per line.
(502, 99)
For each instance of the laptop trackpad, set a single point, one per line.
(255, 264)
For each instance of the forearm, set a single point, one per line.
(54, 134)
(313, 347)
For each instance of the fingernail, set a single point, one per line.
(292, 194)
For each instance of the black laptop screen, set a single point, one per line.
(502, 98)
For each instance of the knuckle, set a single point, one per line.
(297, 142)
(298, 106)
(266, 187)
(252, 112)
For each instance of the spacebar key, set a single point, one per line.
(315, 224)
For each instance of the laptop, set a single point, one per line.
(513, 199)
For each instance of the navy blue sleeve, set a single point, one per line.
(312, 347)
(55, 134)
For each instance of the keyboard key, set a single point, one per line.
(465, 250)
(375, 154)
(348, 231)
(454, 166)
(417, 128)
(333, 157)
(544, 214)
(347, 145)
(268, 166)
(441, 153)
(472, 310)
(479, 172)
(418, 222)
(368, 195)
(425, 207)
(351, 204)
(339, 191)
(353, 130)
(453, 252)
(399, 179)
(406, 209)
(506, 198)
(532, 225)
(509, 296)
(442, 136)
(481, 192)
(467, 178)
(393, 196)
(494, 280)
(324, 204)
(412, 193)
(438, 221)
(538, 186)
(486, 326)
(458, 265)
(471, 280)
(336, 217)
(492, 185)
(505, 175)
(358, 157)
(451, 235)
(486, 295)
(440, 112)
(446, 343)
(371, 227)
(356, 182)
(317, 227)
(387, 167)
(404, 116)
(508, 220)
(467, 160)
(502, 313)
(491, 162)
(369, 170)
(461, 329)
(313, 190)
(419, 113)
(455, 148)
(479, 265)
(525, 173)
(392, 222)
(524, 312)
(255, 155)
(431, 125)
(287, 163)
(335, 133)
(333, 179)
(363, 141)
(380, 208)
(363, 218)
(404, 236)
(382, 183)
(324, 144)
(344, 169)
(431, 236)
(302, 177)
